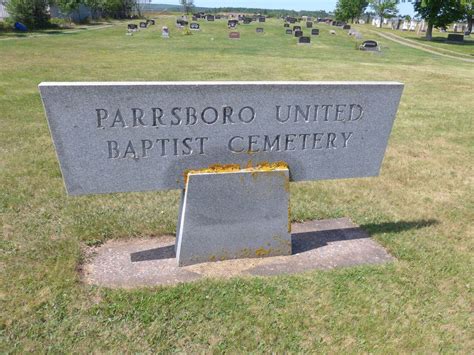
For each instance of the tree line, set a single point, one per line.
(437, 13)
(35, 13)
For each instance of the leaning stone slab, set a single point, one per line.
(139, 136)
(230, 213)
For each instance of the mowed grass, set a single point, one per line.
(439, 41)
(421, 208)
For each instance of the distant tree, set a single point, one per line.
(187, 5)
(384, 8)
(119, 8)
(97, 6)
(350, 9)
(32, 13)
(439, 13)
(67, 6)
(468, 9)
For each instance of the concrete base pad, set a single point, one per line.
(323, 244)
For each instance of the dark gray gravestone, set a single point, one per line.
(132, 26)
(304, 40)
(315, 32)
(296, 28)
(289, 31)
(210, 17)
(369, 45)
(143, 25)
(346, 27)
(150, 22)
(194, 26)
(309, 24)
(261, 19)
(259, 30)
(455, 38)
(291, 20)
(247, 20)
(298, 33)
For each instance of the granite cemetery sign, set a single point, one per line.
(143, 136)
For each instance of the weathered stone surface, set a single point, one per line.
(236, 214)
(118, 137)
(324, 244)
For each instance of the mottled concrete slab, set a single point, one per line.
(324, 244)
(141, 136)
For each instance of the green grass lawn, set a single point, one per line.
(421, 208)
(438, 42)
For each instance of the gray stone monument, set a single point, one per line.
(143, 136)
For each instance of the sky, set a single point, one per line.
(328, 5)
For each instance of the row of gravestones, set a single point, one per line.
(144, 24)
(244, 19)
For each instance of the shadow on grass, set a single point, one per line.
(306, 241)
(397, 227)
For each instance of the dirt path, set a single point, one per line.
(407, 43)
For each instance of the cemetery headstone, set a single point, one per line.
(232, 23)
(286, 25)
(298, 33)
(259, 30)
(124, 137)
(151, 22)
(304, 40)
(132, 27)
(296, 28)
(234, 35)
(261, 19)
(182, 23)
(346, 27)
(455, 38)
(315, 32)
(143, 25)
(210, 17)
(289, 31)
(247, 20)
(217, 17)
(194, 26)
(309, 24)
(369, 45)
(165, 32)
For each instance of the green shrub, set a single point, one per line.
(32, 13)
